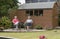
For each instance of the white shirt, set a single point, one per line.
(29, 21)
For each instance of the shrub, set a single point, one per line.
(5, 22)
(38, 27)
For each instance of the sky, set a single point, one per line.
(22, 1)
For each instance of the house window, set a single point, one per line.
(43, 0)
(52, 0)
(29, 12)
(33, 1)
(40, 12)
(28, 1)
(35, 12)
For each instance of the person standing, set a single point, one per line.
(29, 22)
(15, 22)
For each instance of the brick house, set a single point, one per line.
(44, 14)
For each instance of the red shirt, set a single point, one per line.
(15, 20)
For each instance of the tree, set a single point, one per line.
(5, 5)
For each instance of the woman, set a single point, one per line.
(15, 22)
(29, 22)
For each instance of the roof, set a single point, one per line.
(39, 5)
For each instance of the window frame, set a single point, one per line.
(35, 12)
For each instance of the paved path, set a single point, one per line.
(22, 30)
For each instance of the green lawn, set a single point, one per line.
(33, 35)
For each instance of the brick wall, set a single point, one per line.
(55, 15)
(45, 20)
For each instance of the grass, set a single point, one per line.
(33, 35)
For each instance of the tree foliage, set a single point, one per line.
(5, 5)
(5, 22)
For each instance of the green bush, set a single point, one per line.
(5, 22)
(38, 27)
